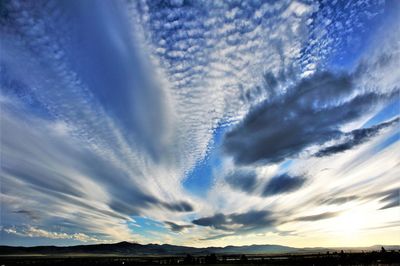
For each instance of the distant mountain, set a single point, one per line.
(126, 248)
(134, 249)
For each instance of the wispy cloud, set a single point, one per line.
(355, 138)
(316, 217)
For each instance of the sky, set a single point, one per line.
(199, 122)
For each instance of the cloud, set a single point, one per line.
(124, 193)
(176, 227)
(391, 198)
(238, 222)
(310, 113)
(135, 95)
(67, 180)
(283, 184)
(339, 200)
(219, 236)
(211, 55)
(253, 219)
(181, 206)
(247, 181)
(355, 138)
(132, 203)
(30, 214)
(217, 221)
(317, 217)
(31, 231)
(244, 180)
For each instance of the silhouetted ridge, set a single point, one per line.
(128, 248)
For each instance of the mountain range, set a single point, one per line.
(135, 249)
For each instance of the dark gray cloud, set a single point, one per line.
(355, 138)
(218, 236)
(217, 221)
(391, 198)
(134, 203)
(176, 227)
(283, 184)
(213, 237)
(30, 214)
(310, 113)
(242, 180)
(247, 221)
(253, 220)
(181, 206)
(246, 181)
(317, 217)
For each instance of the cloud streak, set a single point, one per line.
(176, 227)
(317, 217)
(355, 138)
(238, 222)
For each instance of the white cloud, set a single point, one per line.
(31, 231)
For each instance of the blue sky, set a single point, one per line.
(201, 123)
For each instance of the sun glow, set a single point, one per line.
(349, 224)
